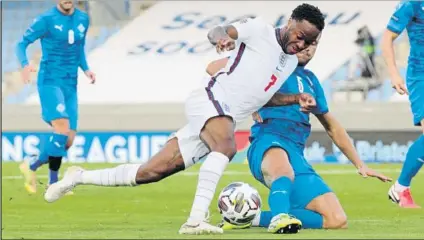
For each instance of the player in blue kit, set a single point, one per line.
(276, 157)
(409, 15)
(62, 32)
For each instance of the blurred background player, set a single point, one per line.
(276, 156)
(409, 15)
(212, 111)
(62, 31)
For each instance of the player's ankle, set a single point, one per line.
(399, 187)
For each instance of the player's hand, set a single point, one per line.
(26, 73)
(399, 85)
(226, 44)
(307, 102)
(257, 117)
(91, 76)
(365, 172)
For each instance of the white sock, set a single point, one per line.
(257, 220)
(399, 187)
(210, 172)
(122, 175)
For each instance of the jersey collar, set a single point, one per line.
(277, 35)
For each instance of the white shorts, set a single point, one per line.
(201, 105)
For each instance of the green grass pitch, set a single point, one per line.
(158, 210)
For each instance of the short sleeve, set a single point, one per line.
(247, 27)
(401, 17)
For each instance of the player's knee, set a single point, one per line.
(61, 126)
(55, 163)
(272, 172)
(226, 146)
(336, 221)
(270, 175)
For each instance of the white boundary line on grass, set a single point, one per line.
(238, 173)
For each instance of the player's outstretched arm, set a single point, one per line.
(342, 140)
(306, 101)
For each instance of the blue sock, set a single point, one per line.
(42, 159)
(53, 176)
(56, 147)
(414, 161)
(265, 219)
(309, 219)
(279, 196)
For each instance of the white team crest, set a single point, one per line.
(81, 28)
(283, 59)
(60, 108)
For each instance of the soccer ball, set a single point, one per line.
(239, 203)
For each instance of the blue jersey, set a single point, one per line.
(288, 121)
(410, 15)
(62, 40)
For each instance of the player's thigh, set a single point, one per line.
(268, 159)
(416, 98)
(218, 135)
(71, 103)
(53, 107)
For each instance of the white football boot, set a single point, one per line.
(65, 185)
(199, 228)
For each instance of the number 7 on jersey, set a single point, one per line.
(271, 82)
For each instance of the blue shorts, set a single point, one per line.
(416, 98)
(307, 184)
(59, 102)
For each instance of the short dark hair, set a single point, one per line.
(309, 13)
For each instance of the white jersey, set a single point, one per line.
(255, 71)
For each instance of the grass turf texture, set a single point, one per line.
(158, 210)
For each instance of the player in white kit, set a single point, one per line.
(264, 60)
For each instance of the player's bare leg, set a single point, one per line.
(218, 135)
(166, 162)
(279, 175)
(400, 192)
(329, 207)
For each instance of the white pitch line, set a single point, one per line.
(238, 173)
